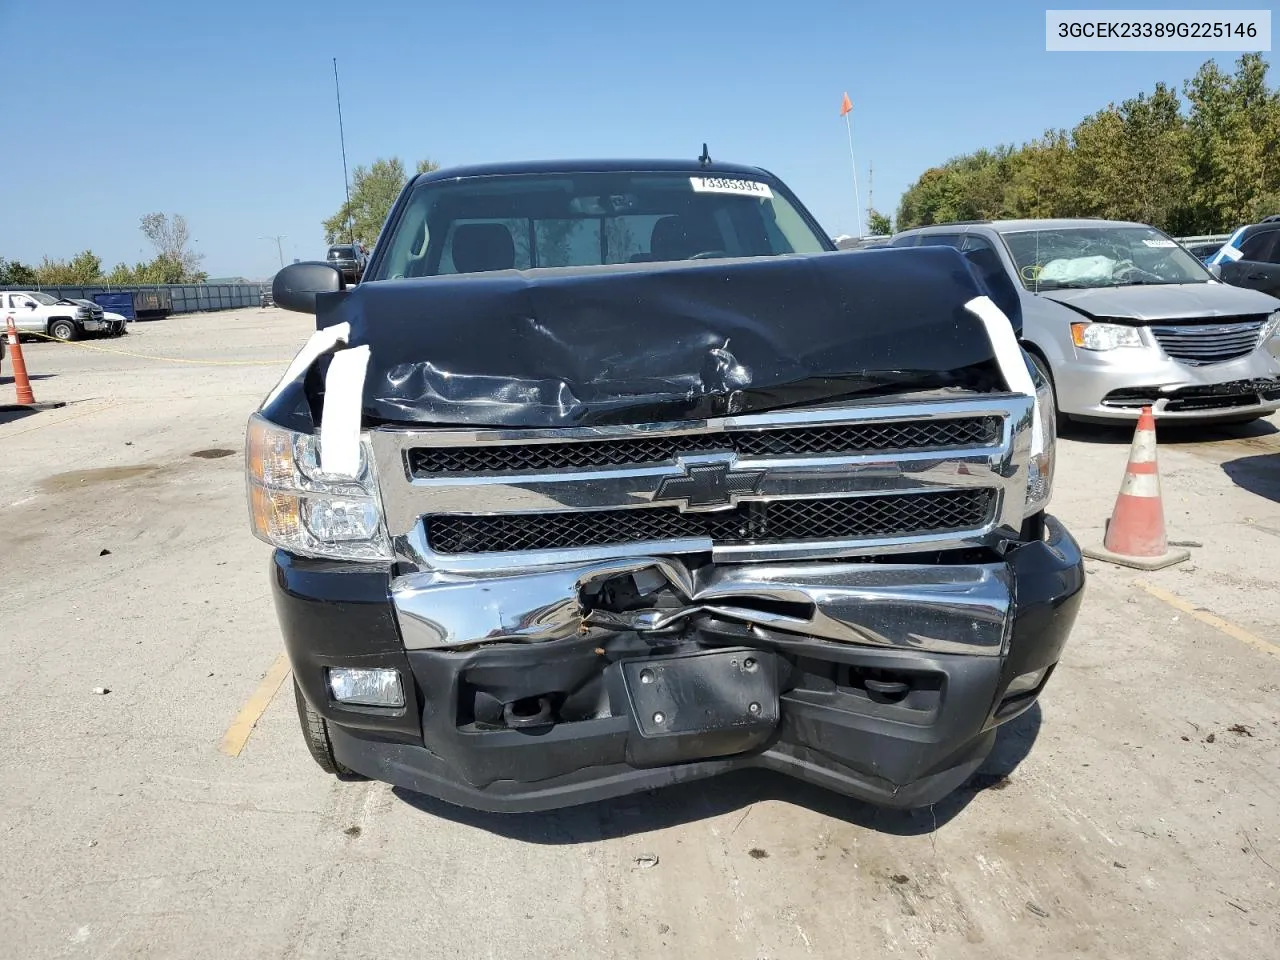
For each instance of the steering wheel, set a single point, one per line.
(708, 254)
(1128, 270)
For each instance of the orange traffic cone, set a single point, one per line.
(26, 398)
(1135, 535)
(20, 378)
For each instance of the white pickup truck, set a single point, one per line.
(62, 319)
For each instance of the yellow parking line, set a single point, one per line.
(1212, 619)
(238, 733)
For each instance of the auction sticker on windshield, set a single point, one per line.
(743, 188)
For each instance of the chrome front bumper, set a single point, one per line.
(929, 608)
(1086, 386)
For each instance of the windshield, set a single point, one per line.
(44, 298)
(526, 221)
(1101, 256)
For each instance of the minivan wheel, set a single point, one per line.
(315, 730)
(62, 330)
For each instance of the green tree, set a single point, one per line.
(878, 224)
(174, 257)
(1234, 144)
(1044, 184)
(13, 272)
(1203, 168)
(85, 267)
(373, 191)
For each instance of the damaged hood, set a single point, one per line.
(662, 342)
(1140, 305)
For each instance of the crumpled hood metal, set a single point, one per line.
(1141, 305)
(663, 342)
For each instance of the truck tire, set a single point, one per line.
(63, 329)
(315, 730)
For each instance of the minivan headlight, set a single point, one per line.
(295, 506)
(1044, 442)
(1104, 336)
(1271, 328)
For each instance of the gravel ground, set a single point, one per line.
(1132, 814)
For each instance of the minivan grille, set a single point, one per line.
(921, 434)
(1198, 344)
(768, 522)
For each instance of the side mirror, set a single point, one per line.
(1216, 270)
(30, 305)
(296, 286)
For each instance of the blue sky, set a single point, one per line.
(225, 112)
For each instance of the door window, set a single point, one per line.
(1262, 247)
(941, 240)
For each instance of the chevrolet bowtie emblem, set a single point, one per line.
(710, 485)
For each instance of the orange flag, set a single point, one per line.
(846, 106)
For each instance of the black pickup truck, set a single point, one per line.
(610, 475)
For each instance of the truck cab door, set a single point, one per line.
(1259, 265)
(27, 314)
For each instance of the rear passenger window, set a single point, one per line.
(565, 242)
(941, 240)
(1261, 247)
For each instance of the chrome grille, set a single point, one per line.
(960, 432)
(786, 521)
(1198, 344)
(873, 478)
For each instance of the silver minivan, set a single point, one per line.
(1118, 316)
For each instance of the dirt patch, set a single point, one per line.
(213, 453)
(78, 479)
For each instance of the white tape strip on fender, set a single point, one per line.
(1009, 357)
(319, 342)
(343, 402)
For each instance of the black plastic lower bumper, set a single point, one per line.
(897, 728)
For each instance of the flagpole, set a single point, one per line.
(857, 200)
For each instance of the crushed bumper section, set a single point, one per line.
(517, 727)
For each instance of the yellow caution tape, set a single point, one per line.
(144, 356)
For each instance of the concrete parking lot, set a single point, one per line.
(1132, 814)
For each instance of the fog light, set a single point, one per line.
(1026, 682)
(372, 688)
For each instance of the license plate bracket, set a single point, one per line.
(729, 691)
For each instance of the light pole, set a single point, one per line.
(279, 249)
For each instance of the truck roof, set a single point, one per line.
(1044, 223)
(592, 166)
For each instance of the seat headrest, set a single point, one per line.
(679, 237)
(478, 247)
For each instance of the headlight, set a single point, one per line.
(1104, 336)
(1270, 328)
(1044, 441)
(295, 506)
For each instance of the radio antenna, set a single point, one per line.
(346, 182)
(705, 159)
